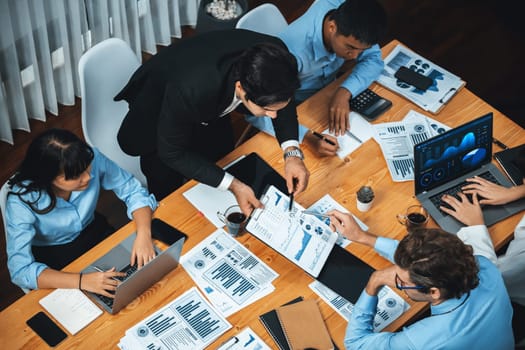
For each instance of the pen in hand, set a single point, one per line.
(321, 137)
(290, 205)
(349, 133)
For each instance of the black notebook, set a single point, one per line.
(271, 322)
(512, 161)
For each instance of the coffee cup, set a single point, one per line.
(415, 217)
(234, 219)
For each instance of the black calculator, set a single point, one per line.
(369, 104)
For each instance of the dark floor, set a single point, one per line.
(481, 41)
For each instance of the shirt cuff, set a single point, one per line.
(289, 143)
(226, 182)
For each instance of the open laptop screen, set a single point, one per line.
(445, 157)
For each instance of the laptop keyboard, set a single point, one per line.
(436, 199)
(129, 270)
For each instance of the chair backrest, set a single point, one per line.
(104, 70)
(265, 18)
(3, 200)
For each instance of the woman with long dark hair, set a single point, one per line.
(51, 218)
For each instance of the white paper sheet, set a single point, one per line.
(246, 339)
(360, 128)
(327, 203)
(208, 200)
(228, 274)
(71, 308)
(389, 306)
(303, 239)
(397, 140)
(187, 323)
(444, 87)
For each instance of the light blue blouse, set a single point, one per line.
(482, 320)
(66, 221)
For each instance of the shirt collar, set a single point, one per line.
(318, 45)
(448, 305)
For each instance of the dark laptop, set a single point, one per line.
(136, 280)
(444, 162)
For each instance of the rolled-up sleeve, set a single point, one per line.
(124, 185)
(367, 69)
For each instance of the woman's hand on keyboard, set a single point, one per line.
(464, 210)
(492, 193)
(103, 283)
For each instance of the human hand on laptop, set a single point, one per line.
(492, 193)
(463, 209)
(142, 251)
(102, 282)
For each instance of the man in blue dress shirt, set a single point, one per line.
(469, 305)
(327, 35)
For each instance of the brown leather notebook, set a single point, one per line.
(304, 327)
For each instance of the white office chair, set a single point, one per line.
(3, 201)
(265, 18)
(104, 70)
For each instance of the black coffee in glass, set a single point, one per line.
(236, 218)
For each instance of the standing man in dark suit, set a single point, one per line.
(178, 98)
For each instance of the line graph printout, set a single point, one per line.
(304, 239)
(228, 274)
(189, 322)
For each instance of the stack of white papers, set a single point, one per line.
(228, 274)
(445, 84)
(397, 140)
(187, 323)
(71, 308)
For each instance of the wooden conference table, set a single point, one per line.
(337, 177)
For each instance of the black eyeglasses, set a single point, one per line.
(400, 284)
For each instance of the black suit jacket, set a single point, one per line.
(186, 84)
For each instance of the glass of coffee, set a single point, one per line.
(415, 217)
(234, 219)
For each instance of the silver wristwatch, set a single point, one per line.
(296, 152)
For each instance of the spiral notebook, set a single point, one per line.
(271, 322)
(303, 326)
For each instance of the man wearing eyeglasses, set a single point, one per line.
(328, 34)
(469, 305)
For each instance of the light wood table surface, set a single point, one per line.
(337, 177)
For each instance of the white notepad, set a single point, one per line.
(71, 308)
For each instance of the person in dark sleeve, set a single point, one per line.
(180, 99)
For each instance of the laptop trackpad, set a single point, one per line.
(118, 257)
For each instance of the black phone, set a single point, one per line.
(165, 233)
(46, 329)
(409, 76)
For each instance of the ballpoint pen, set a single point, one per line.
(314, 213)
(499, 143)
(349, 133)
(228, 343)
(320, 136)
(290, 205)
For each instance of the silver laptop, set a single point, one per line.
(136, 280)
(444, 162)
